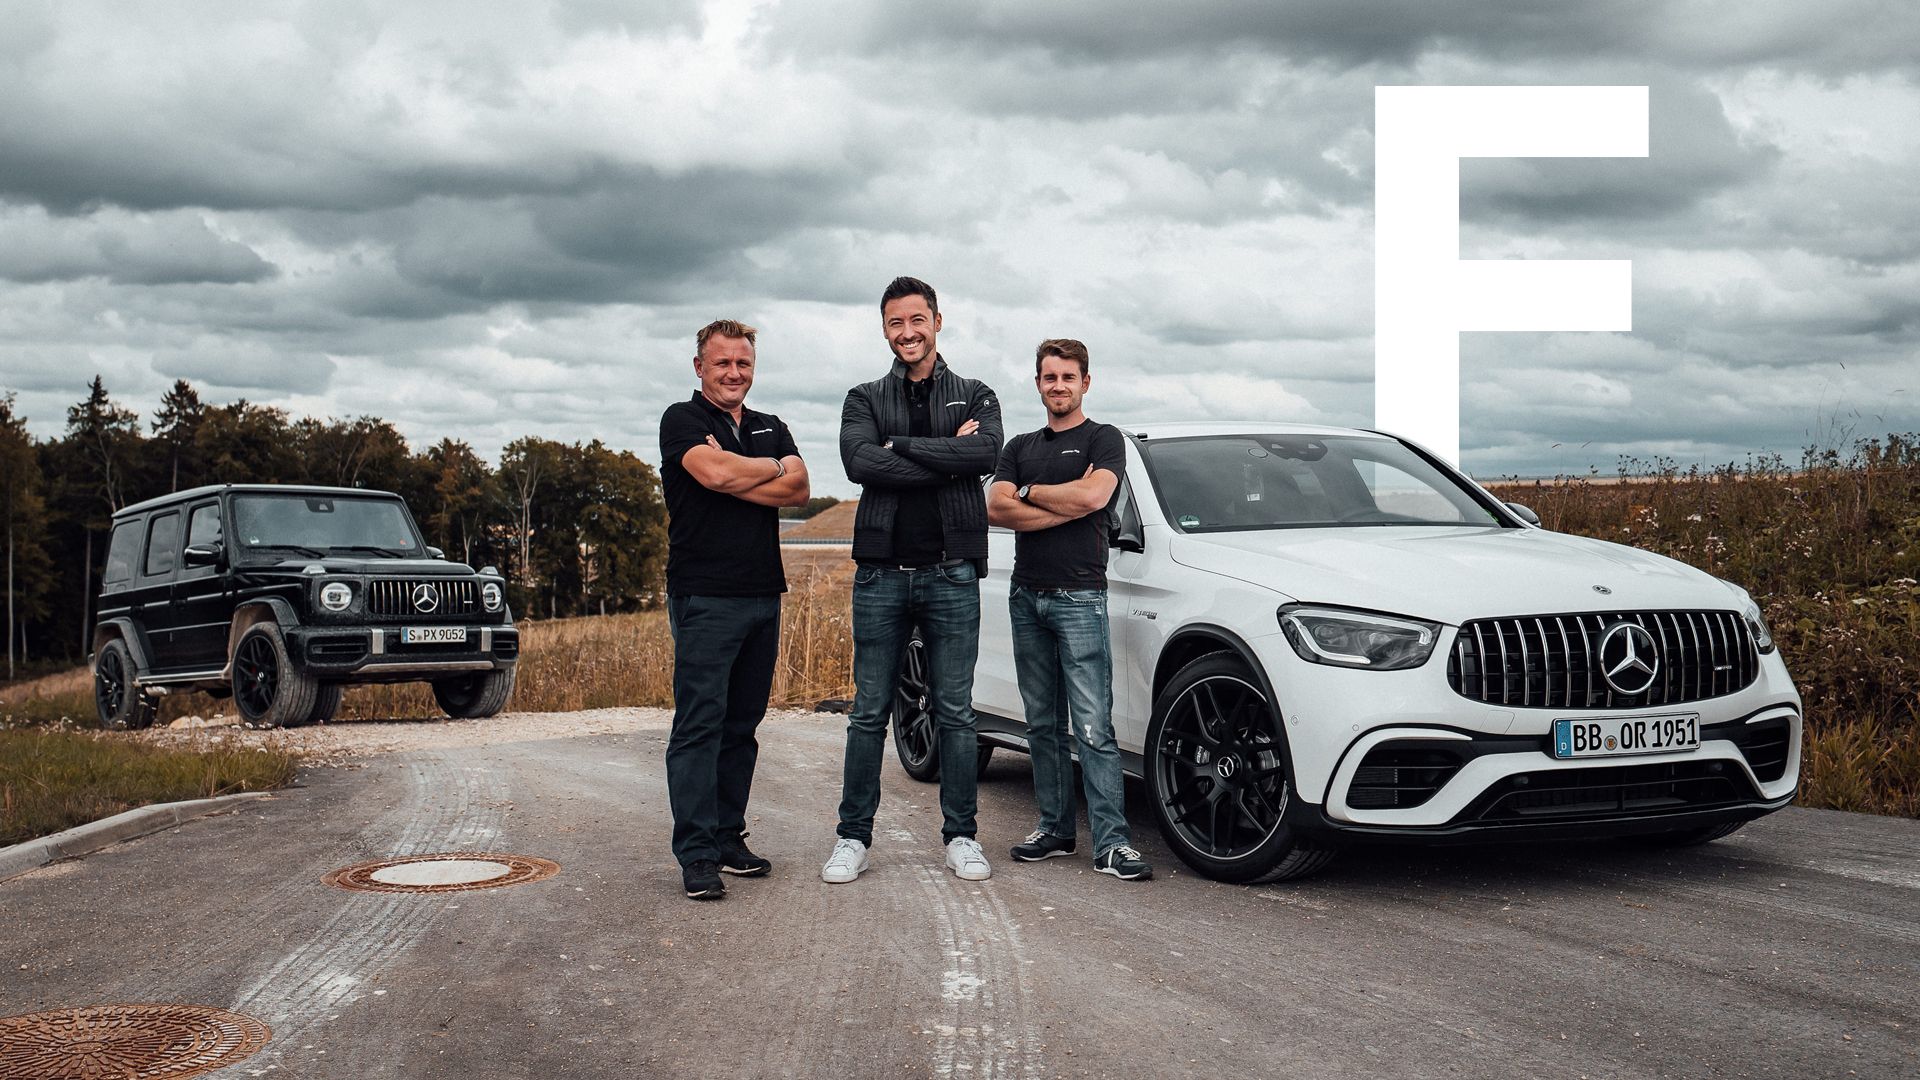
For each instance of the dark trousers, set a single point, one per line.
(723, 654)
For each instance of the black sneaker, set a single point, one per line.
(1042, 845)
(1124, 863)
(736, 859)
(702, 879)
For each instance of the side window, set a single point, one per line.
(163, 544)
(122, 549)
(203, 528)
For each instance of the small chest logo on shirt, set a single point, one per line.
(1069, 451)
(762, 431)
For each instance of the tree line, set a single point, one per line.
(577, 528)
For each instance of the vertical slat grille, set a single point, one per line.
(393, 598)
(1550, 661)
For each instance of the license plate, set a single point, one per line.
(433, 635)
(1616, 736)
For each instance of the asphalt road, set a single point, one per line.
(1791, 949)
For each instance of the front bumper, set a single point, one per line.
(1402, 755)
(381, 654)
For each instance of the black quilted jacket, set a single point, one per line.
(876, 412)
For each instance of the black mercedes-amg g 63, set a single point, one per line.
(282, 596)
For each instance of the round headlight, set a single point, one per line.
(490, 595)
(336, 596)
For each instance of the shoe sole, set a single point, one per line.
(706, 894)
(964, 875)
(1144, 875)
(757, 871)
(1037, 858)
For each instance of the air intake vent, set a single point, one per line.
(1575, 794)
(1401, 774)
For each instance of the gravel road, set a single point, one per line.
(1789, 950)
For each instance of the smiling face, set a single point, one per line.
(910, 327)
(1062, 385)
(725, 368)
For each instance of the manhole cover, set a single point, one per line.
(448, 872)
(126, 1042)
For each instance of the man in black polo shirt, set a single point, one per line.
(726, 470)
(1055, 488)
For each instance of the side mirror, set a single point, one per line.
(1130, 542)
(435, 553)
(202, 555)
(1524, 514)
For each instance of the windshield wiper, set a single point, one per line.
(311, 553)
(383, 552)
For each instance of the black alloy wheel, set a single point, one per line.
(267, 688)
(1217, 766)
(116, 697)
(916, 741)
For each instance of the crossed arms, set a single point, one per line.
(756, 479)
(1048, 505)
(917, 460)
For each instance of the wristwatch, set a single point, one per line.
(1022, 493)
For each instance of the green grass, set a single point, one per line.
(54, 779)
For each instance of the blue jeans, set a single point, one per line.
(723, 654)
(1064, 661)
(944, 602)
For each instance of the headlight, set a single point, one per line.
(1750, 613)
(1358, 639)
(336, 596)
(490, 595)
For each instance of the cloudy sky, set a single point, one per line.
(485, 220)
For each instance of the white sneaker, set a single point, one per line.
(849, 858)
(966, 860)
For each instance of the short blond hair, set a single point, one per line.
(730, 328)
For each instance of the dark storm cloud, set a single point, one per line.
(1845, 36)
(123, 248)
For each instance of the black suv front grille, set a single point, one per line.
(1401, 774)
(399, 598)
(1549, 661)
(1612, 790)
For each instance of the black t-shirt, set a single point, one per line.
(919, 539)
(718, 544)
(1072, 555)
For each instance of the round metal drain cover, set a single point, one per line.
(126, 1042)
(447, 872)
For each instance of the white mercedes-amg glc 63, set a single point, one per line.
(1324, 636)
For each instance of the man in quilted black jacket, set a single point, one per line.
(918, 440)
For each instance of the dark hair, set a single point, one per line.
(1063, 347)
(729, 328)
(909, 286)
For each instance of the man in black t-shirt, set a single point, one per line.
(1055, 487)
(726, 470)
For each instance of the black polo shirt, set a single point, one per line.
(1072, 555)
(718, 544)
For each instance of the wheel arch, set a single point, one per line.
(123, 629)
(271, 609)
(1195, 640)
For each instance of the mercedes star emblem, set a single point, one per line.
(1603, 590)
(425, 598)
(1628, 658)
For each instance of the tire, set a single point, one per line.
(914, 740)
(268, 689)
(471, 697)
(122, 705)
(326, 702)
(1705, 834)
(1218, 772)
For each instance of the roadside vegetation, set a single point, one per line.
(55, 778)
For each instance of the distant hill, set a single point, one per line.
(833, 523)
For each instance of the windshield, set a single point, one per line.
(316, 525)
(1232, 483)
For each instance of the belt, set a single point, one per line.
(942, 565)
